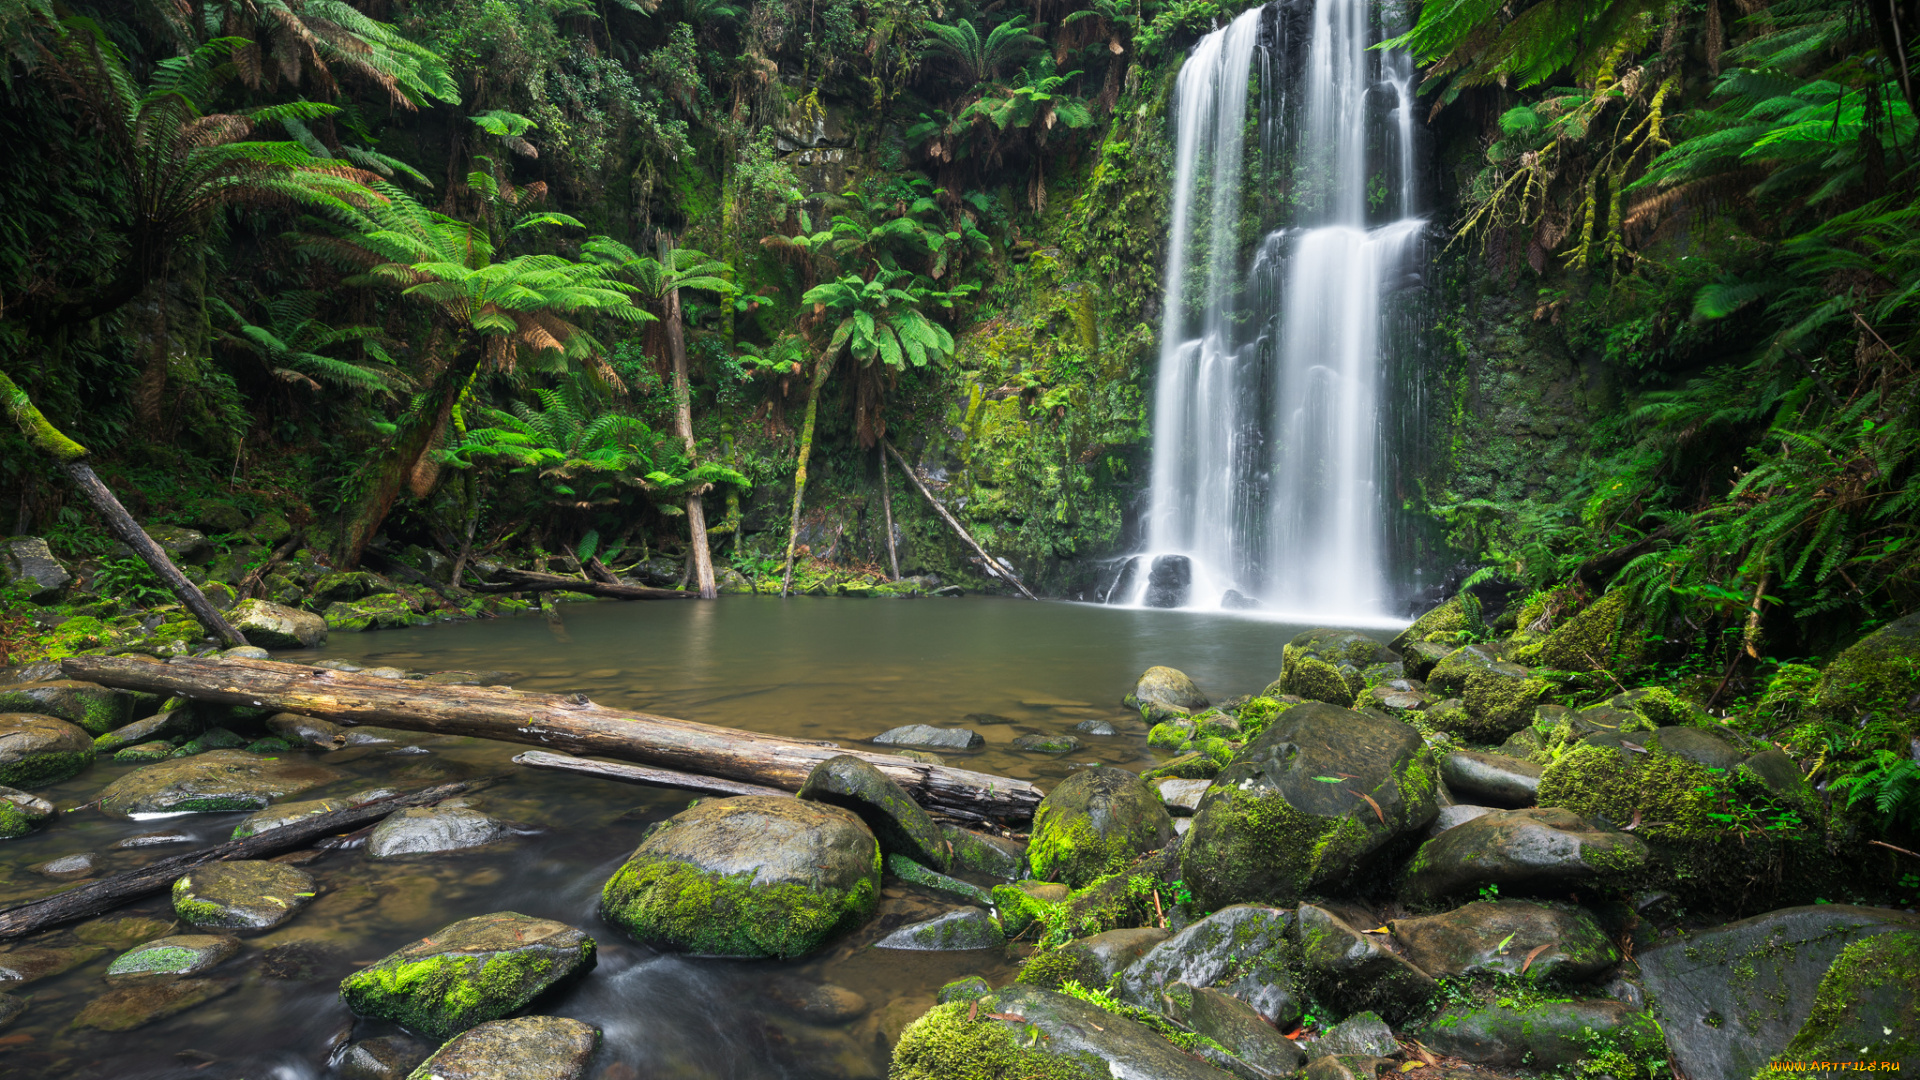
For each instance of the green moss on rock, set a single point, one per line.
(945, 1044)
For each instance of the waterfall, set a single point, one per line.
(1266, 486)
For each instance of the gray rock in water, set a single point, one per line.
(1492, 779)
(1050, 1033)
(390, 1057)
(140, 1002)
(182, 954)
(1540, 850)
(1047, 744)
(1182, 796)
(28, 561)
(1358, 970)
(1094, 823)
(38, 750)
(274, 817)
(1234, 600)
(925, 735)
(177, 723)
(1169, 581)
(242, 894)
(220, 780)
(1362, 1033)
(306, 730)
(66, 867)
(967, 928)
(94, 708)
(1242, 950)
(10, 1009)
(424, 830)
(1722, 1028)
(821, 1003)
(1096, 727)
(277, 626)
(1162, 692)
(1543, 1036)
(546, 1047)
(469, 972)
(1508, 937)
(899, 823)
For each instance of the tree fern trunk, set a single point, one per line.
(396, 466)
(702, 559)
(820, 370)
(886, 509)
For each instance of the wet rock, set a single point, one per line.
(221, 780)
(1189, 766)
(10, 1009)
(980, 853)
(1023, 902)
(966, 928)
(754, 876)
(1508, 937)
(1364, 1034)
(1421, 657)
(121, 931)
(143, 1001)
(1257, 1049)
(1539, 850)
(936, 738)
(1325, 665)
(1358, 970)
(898, 823)
(274, 817)
(66, 867)
(820, 1003)
(1457, 814)
(1161, 692)
(1698, 745)
(176, 723)
(469, 972)
(1879, 672)
(907, 870)
(242, 894)
(1182, 797)
(546, 1047)
(1241, 950)
(38, 671)
(27, 561)
(1722, 1028)
(145, 753)
(1026, 1031)
(390, 611)
(217, 738)
(1091, 961)
(20, 812)
(1047, 744)
(1546, 1035)
(1867, 1006)
(1396, 703)
(1498, 697)
(1273, 827)
(89, 706)
(1779, 773)
(38, 750)
(1095, 823)
(1491, 779)
(390, 1057)
(1096, 727)
(277, 626)
(182, 954)
(19, 966)
(424, 830)
(971, 988)
(1171, 734)
(1235, 600)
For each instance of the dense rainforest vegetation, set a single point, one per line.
(564, 284)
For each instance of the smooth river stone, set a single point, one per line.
(219, 780)
(242, 895)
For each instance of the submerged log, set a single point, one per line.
(108, 893)
(641, 774)
(569, 723)
(532, 581)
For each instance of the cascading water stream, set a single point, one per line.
(1266, 481)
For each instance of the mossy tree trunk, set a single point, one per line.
(72, 458)
(683, 427)
(431, 418)
(821, 369)
(886, 511)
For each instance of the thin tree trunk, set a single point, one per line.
(886, 510)
(405, 453)
(702, 559)
(72, 458)
(993, 567)
(820, 370)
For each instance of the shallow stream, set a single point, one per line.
(843, 670)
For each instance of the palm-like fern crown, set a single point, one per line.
(292, 41)
(981, 60)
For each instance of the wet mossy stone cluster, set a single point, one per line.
(547, 1047)
(1329, 665)
(900, 825)
(91, 707)
(1164, 692)
(1497, 698)
(20, 811)
(221, 780)
(753, 876)
(1310, 805)
(1878, 673)
(1096, 822)
(243, 894)
(467, 973)
(1606, 634)
(1026, 1033)
(37, 750)
(1540, 942)
(1245, 950)
(1531, 852)
(1546, 1034)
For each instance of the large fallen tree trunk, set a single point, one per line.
(531, 581)
(569, 723)
(108, 893)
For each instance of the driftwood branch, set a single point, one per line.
(641, 774)
(550, 721)
(532, 581)
(97, 896)
(993, 567)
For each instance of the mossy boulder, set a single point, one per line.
(754, 876)
(93, 708)
(898, 823)
(1546, 1034)
(1490, 779)
(28, 563)
(912, 872)
(1161, 692)
(1356, 970)
(1421, 657)
(214, 738)
(1192, 765)
(1022, 903)
(277, 626)
(469, 972)
(179, 722)
(980, 853)
(547, 1047)
(145, 753)
(221, 780)
(955, 931)
(1867, 1006)
(181, 954)
(20, 812)
(1026, 1033)
(1096, 822)
(243, 894)
(1243, 950)
(1448, 617)
(1047, 744)
(346, 586)
(1607, 634)
(387, 611)
(1526, 852)
(1731, 998)
(1308, 806)
(1537, 941)
(1497, 697)
(1171, 734)
(37, 750)
(1880, 672)
(1244, 1043)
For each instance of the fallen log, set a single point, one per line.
(569, 723)
(532, 581)
(641, 774)
(108, 893)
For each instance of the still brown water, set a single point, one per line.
(825, 669)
